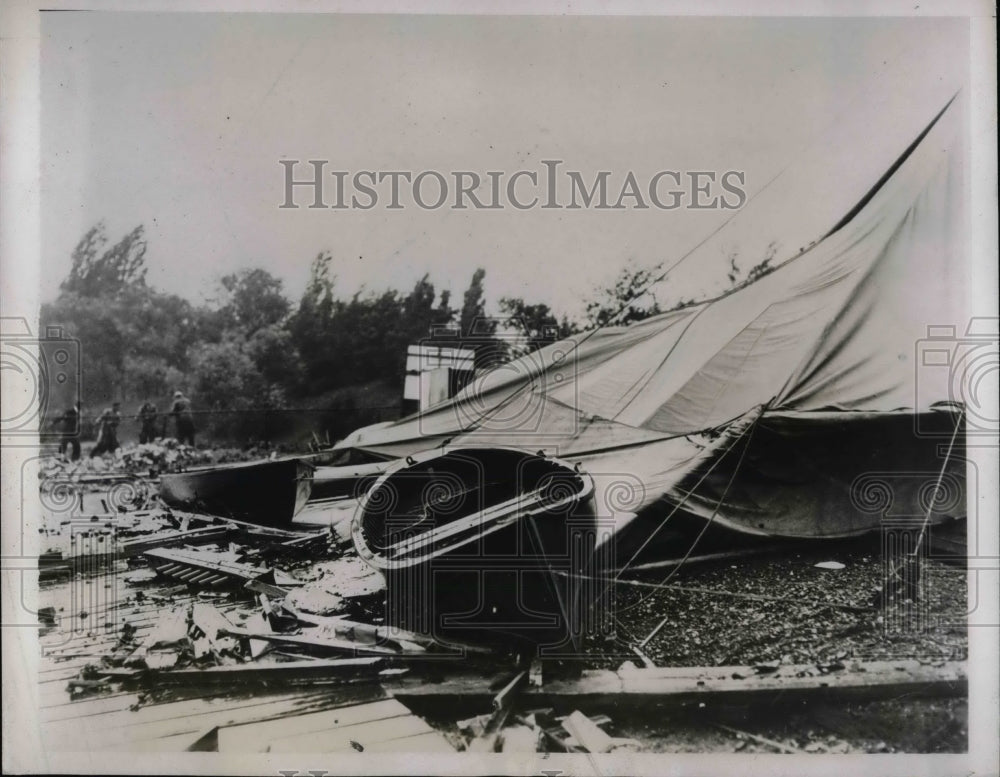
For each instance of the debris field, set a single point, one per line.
(163, 630)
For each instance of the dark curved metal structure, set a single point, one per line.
(484, 544)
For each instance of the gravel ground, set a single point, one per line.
(781, 608)
(890, 726)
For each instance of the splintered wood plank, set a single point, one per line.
(87, 707)
(367, 734)
(253, 737)
(113, 729)
(432, 742)
(195, 706)
(313, 671)
(869, 680)
(686, 685)
(174, 744)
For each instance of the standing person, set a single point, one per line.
(147, 422)
(68, 423)
(107, 430)
(181, 412)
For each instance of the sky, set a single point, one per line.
(177, 121)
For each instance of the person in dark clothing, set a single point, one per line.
(183, 417)
(147, 422)
(69, 425)
(107, 434)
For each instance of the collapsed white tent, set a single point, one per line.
(653, 408)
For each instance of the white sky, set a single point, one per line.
(177, 122)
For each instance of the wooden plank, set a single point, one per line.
(254, 737)
(201, 536)
(431, 742)
(200, 704)
(193, 562)
(174, 744)
(870, 680)
(87, 707)
(316, 641)
(201, 724)
(781, 747)
(686, 685)
(365, 734)
(100, 731)
(314, 670)
(586, 733)
(520, 739)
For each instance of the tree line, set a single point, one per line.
(252, 348)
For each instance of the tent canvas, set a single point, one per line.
(835, 328)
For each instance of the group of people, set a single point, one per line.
(108, 421)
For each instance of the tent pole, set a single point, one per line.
(912, 560)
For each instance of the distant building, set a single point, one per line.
(434, 373)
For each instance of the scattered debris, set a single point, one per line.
(520, 739)
(201, 602)
(204, 568)
(781, 747)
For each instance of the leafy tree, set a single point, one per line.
(133, 344)
(101, 272)
(275, 356)
(364, 338)
(630, 299)
(736, 277)
(252, 299)
(444, 315)
(309, 326)
(764, 267)
(473, 315)
(539, 323)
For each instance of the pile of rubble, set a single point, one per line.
(164, 455)
(205, 601)
(199, 601)
(226, 602)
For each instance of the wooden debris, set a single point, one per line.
(260, 586)
(586, 733)
(779, 746)
(314, 640)
(202, 568)
(161, 647)
(535, 673)
(475, 725)
(520, 739)
(309, 671)
(489, 739)
(201, 536)
(504, 698)
(361, 727)
(208, 623)
(407, 641)
(682, 686)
